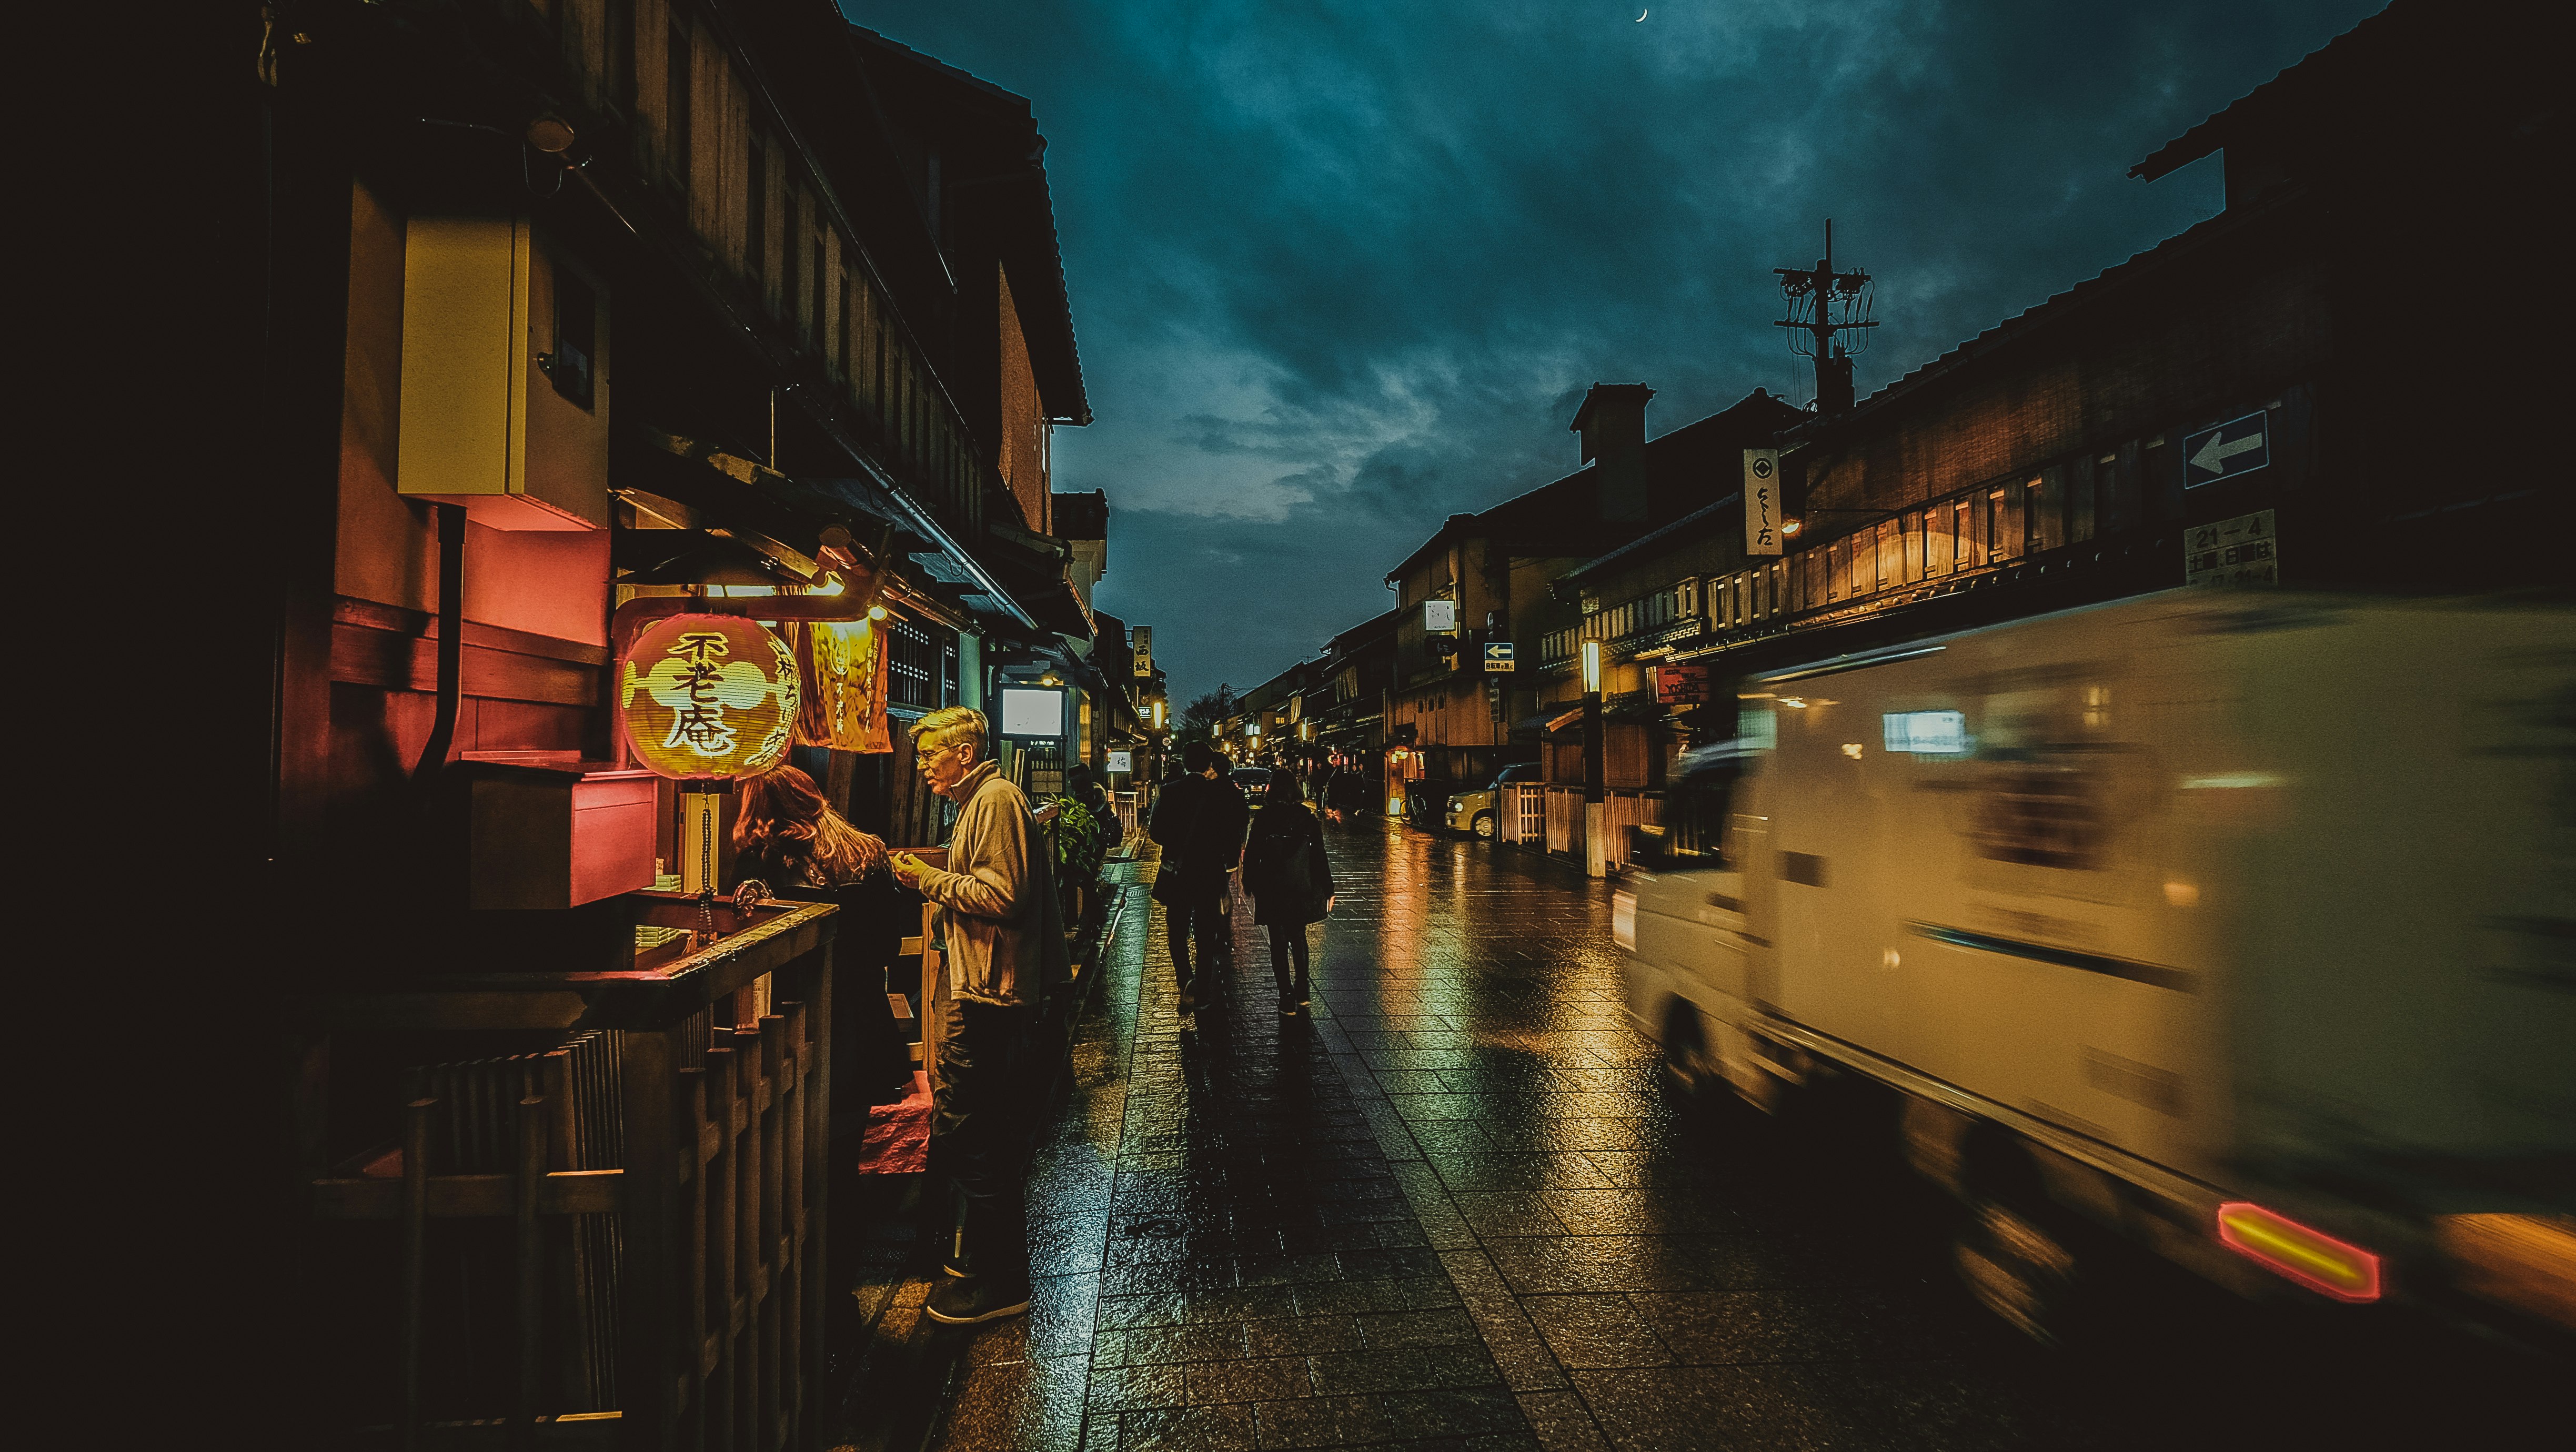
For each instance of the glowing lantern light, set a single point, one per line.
(708, 697)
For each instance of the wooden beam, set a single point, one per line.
(468, 1197)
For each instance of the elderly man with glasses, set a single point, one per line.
(1000, 933)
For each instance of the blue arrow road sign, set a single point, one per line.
(2238, 446)
(1498, 655)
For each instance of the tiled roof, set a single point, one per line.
(2353, 67)
(2331, 84)
(1689, 523)
(2055, 309)
(1563, 512)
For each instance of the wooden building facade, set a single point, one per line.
(569, 308)
(2248, 403)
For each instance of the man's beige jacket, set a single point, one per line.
(998, 915)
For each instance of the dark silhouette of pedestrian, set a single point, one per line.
(1199, 822)
(1350, 793)
(1290, 881)
(792, 840)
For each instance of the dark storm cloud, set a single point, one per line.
(1339, 270)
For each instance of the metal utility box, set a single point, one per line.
(548, 831)
(504, 377)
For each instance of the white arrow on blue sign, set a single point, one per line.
(1498, 655)
(2238, 446)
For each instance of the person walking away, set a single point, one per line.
(1199, 824)
(1154, 795)
(1000, 933)
(1350, 792)
(790, 838)
(1290, 881)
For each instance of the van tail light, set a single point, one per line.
(2312, 1258)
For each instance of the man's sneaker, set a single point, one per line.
(969, 1300)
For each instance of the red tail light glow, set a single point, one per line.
(2318, 1261)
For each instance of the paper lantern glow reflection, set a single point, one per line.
(708, 696)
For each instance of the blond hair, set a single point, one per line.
(952, 721)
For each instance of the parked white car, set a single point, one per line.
(2237, 926)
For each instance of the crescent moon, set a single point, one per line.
(1641, 16)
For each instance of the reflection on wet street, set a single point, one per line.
(1456, 1209)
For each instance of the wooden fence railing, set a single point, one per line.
(661, 1169)
(1552, 815)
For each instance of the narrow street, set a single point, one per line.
(1457, 1210)
(1978, 790)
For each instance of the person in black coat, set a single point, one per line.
(1290, 881)
(788, 836)
(1199, 823)
(1350, 791)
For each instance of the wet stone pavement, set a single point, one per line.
(1454, 1209)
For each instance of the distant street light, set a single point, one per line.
(1596, 853)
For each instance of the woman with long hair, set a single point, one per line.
(1290, 882)
(786, 834)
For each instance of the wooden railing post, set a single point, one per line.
(646, 1385)
(531, 1266)
(792, 1142)
(721, 1261)
(693, 1258)
(814, 1067)
(745, 1241)
(415, 1258)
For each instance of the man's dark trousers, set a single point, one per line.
(1200, 916)
(982, 1123)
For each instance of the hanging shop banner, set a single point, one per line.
(1681, 685)
(1762, 501)
(708, 697)
(842, 668)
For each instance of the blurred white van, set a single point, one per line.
(2240, 926)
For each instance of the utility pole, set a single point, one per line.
(1816, 296)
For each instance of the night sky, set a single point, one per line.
(1340, 270)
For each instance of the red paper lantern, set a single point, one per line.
(708, 697)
